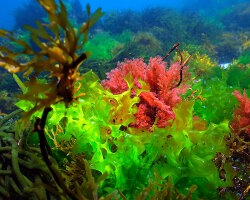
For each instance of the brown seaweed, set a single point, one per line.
(59, 54)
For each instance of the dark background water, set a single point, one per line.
(190, 21)
(7, 8)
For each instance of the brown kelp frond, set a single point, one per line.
(75, 170)
(163, 189)
(91, 186)
(58, 44)
(60, 144)
(81, 180)
(235, 164)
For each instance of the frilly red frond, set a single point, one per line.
(116, 82)
(241, 120)
(156, 105)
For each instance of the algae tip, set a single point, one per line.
(20, 83)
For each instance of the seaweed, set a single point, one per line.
(101, 45)
(24, 174)
(153, 104)
(59, 44)
(135, 136)
(238, 150)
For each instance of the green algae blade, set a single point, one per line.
(20, 83)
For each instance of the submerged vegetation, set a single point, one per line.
(155, 127)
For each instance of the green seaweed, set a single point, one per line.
(101, 46)
(217, 103)
(238, 73)
(130, 156)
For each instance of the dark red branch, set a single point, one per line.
(173, 48)
(182, 66)
(180, 54)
